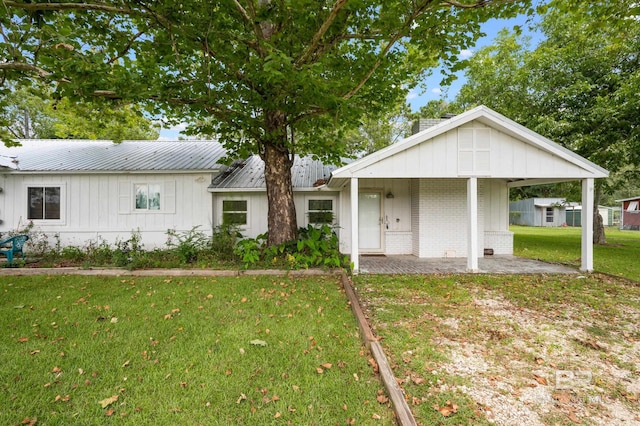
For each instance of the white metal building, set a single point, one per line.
(443, 192)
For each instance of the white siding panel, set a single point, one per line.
(101, 206)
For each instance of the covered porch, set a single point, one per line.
(442, 195)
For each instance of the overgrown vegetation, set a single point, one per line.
(164, 351)
(314, 247)
(225, 248)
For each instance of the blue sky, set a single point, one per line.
(432, 89)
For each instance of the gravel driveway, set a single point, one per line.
(520, 349)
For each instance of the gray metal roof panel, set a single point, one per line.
(92, 155)
(249, 174)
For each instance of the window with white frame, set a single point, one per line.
(148, 196)
(633, 206)
(44, 202)
(320, 212)
(234, 212)
(549, 214)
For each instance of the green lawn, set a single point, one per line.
(618, 257)
(248, 350)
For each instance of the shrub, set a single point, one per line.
(128, 251)
(187, 245)
(314, 247)
(38, 244)
(223, 241)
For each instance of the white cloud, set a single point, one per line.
(436, 90)
(412, 95)
(465, 54)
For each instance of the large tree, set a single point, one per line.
(272, 77)
(578, 87)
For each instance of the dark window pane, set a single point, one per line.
(234, 218)
(320, 217)
(320, 204)
(52, 203)
(36, 203)
(234, 205)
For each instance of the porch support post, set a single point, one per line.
(472, 228)
(355, 244)
(587, 225)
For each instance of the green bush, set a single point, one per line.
(187, 245)
(128, 252)
(315, 247)
(73, 254)
(223, 241)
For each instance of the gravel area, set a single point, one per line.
(597, 390)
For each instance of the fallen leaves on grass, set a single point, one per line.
(258, 342)
(562, 397)
(381, 398)
(448, 409)
(541, 380)
(108, 401)
(574, 418)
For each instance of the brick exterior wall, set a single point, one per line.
(442, 217)
(500, 241)
(398, 242)
(415, 217)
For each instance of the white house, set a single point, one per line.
(86, 190)
(442, 192)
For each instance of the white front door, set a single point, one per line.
(370, 221)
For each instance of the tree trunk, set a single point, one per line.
(282, 222)
(598, 223)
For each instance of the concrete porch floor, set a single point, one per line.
(407, 264)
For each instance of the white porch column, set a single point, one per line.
(587, 225)
(355, 244)
(472, 228)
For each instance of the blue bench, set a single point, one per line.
(12, 246)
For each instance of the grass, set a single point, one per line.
(503, 338)
(562, 245)
(444, 334)
(248, 350)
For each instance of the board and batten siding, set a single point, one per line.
(257, 208)
(102, 206)
(472, 149)
(397, 233)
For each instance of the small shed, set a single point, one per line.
(610, 215)
(630, 213)
(546, 212)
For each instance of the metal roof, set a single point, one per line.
(58, 155)
(249, 174)
(637, 197)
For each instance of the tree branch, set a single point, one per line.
(478, 4)
(317, 37)
(392, 41)
(125, 49)
(103, 7)
(21, 66)
(243, 12)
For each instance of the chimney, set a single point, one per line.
(424, 123)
